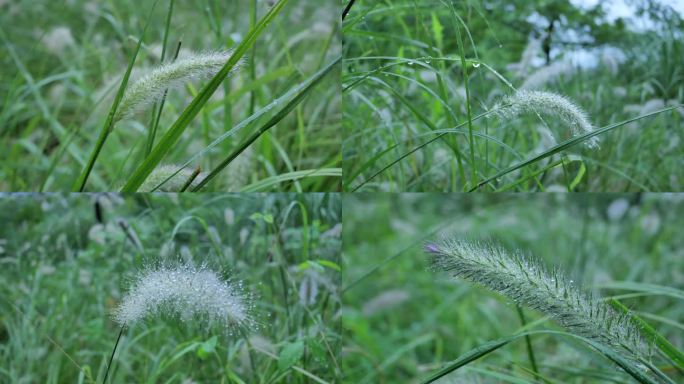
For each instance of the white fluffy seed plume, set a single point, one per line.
(150, 88)
(548, 104)
(192, 294)
(527, 282)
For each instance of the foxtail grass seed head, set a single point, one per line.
(548, 104)
(150, 88)
(175, 184)
(188, 292)
(527, 282)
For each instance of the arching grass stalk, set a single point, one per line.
(527, 282)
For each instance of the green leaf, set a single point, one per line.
(329, 264)
(207, 348)
(290, 355)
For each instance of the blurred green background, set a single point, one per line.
(63, 62)
(403, 80)
(403, 322)
(65, 261)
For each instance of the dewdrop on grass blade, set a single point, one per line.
(527, 282)
(150, 88)
(193, 294)
(549, 104)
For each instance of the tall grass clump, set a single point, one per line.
(152, 87)
(548, 104)
(527, 282)
(188, 292)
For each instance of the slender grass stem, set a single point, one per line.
(111, 358)
(347, 8)
(528, 341)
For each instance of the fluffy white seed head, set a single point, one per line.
(548, 104)
(527, 282)
(190, 293)
(150, 88)
(175, 184)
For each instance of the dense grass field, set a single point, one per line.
(403, 322)
(278, 110)
(67, 260)
(425, 86)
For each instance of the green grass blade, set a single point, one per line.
(80, 182)
(264, 184)
(628, 366)
(650, 333)
(156, 112)
(469, 357)
(174, 133)
(312, 82)
(567, 144)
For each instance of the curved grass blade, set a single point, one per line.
(80, 182)
(567, 144)
(312, 82)
(650, 333)
(628, 366)
(372, 161)
(292, 176)
(174, 133)
(414, 150)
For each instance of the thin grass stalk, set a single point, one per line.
(156, 116)
(347, 8)
(252, 67)
(464, 68)
(111, 358)
(192, 178)
(80, 182)
(528, 341)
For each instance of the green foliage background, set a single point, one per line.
(63, 61)
(402, 322)
(414, 69)
(63, 272)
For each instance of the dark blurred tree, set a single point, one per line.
(559, 23)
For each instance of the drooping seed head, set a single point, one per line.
(150, 88)
(547, 104)
(190, 293)
(527, 282)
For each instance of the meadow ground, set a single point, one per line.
(424, 83)
(403, 322)
(279, 111)
(68, 260)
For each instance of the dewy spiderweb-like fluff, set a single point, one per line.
(188, 292)
(527, 282)
(548, 104)
(151, 88)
